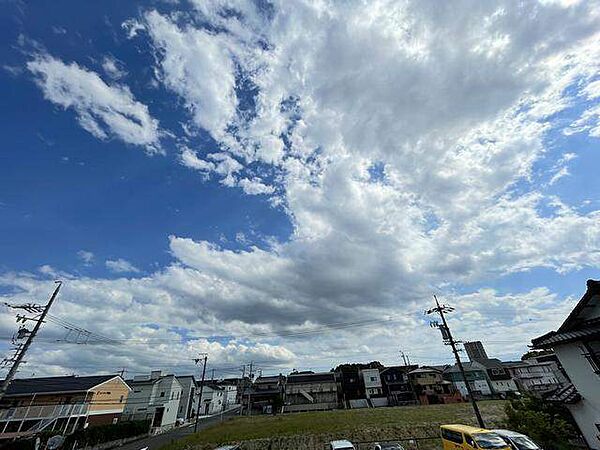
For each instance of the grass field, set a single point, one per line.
(361, 424)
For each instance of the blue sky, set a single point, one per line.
(252, 169)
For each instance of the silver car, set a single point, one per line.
(517, 441)
(388, 446)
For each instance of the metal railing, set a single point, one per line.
(44, 411)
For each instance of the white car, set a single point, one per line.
(517, 441)
(388, 446)
(341, 445)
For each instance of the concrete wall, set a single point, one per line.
(587, 412)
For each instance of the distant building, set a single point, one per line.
(62, 404)
(577, 346)
(475, 351)
(477, 378)
(214, 398)
(352, 388)
(534, 376)
(499, 378)
(373, 387)
(188, 401)
(264, 396)
(397, 386)
(155, 397)
(308, 391)
(431, 388)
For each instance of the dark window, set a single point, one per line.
(452, 436)
(121, 399)
(591, 352)
(469, 440)
(162, 394)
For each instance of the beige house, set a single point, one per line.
(61, 403)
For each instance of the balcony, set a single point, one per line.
(44, 411)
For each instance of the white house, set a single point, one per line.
(372, 381)
(156, 398)
(577, 346)
(187, 403)
(214, 398)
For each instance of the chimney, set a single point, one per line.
(155, 374)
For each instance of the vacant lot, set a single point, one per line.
(359, 425)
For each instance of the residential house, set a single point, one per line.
(240, 385)
(535, 377)
(499, 378)
(214, 398)
(265, 395)
(477, 378)
(371, 379)
(188, 401)
(351, 387)
(62, 404)
(577, 346)
(397, 386)
(309, 391)
(155, 397)
(431, 388)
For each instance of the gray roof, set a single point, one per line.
(575, 326)
(51, 385)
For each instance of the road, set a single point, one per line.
(156, 442)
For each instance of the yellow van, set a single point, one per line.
(456, 437)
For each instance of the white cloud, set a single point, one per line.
(451, 103)
(103, 110)
(113, 67)
(197, 66)
(121, 265)
(85, 256)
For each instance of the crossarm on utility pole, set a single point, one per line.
(21, 354)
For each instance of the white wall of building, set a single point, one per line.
(477, 385)
(586, 412)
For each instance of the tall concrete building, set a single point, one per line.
(475, 351)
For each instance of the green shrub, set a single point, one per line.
(107, 433)
(550, 425)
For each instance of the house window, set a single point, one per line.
(121, 399)
(162, 394)
(591, 352)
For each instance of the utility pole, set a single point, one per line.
(22, 349)
(449, 340)
(201, 388)
(403, 357)
(250, 390)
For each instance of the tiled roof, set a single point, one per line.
(49, 385)
(567, 394)
(325, 377)
(575, 326)
(592, 328)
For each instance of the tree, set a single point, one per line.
(549, 424)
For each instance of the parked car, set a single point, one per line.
(388, 446)
(468, 438)
(341, 445)
(229, 447)
(517, 441)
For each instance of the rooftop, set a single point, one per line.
(51, 385)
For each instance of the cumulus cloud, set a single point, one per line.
(103, 110)
(120, 266)
(403, 139)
